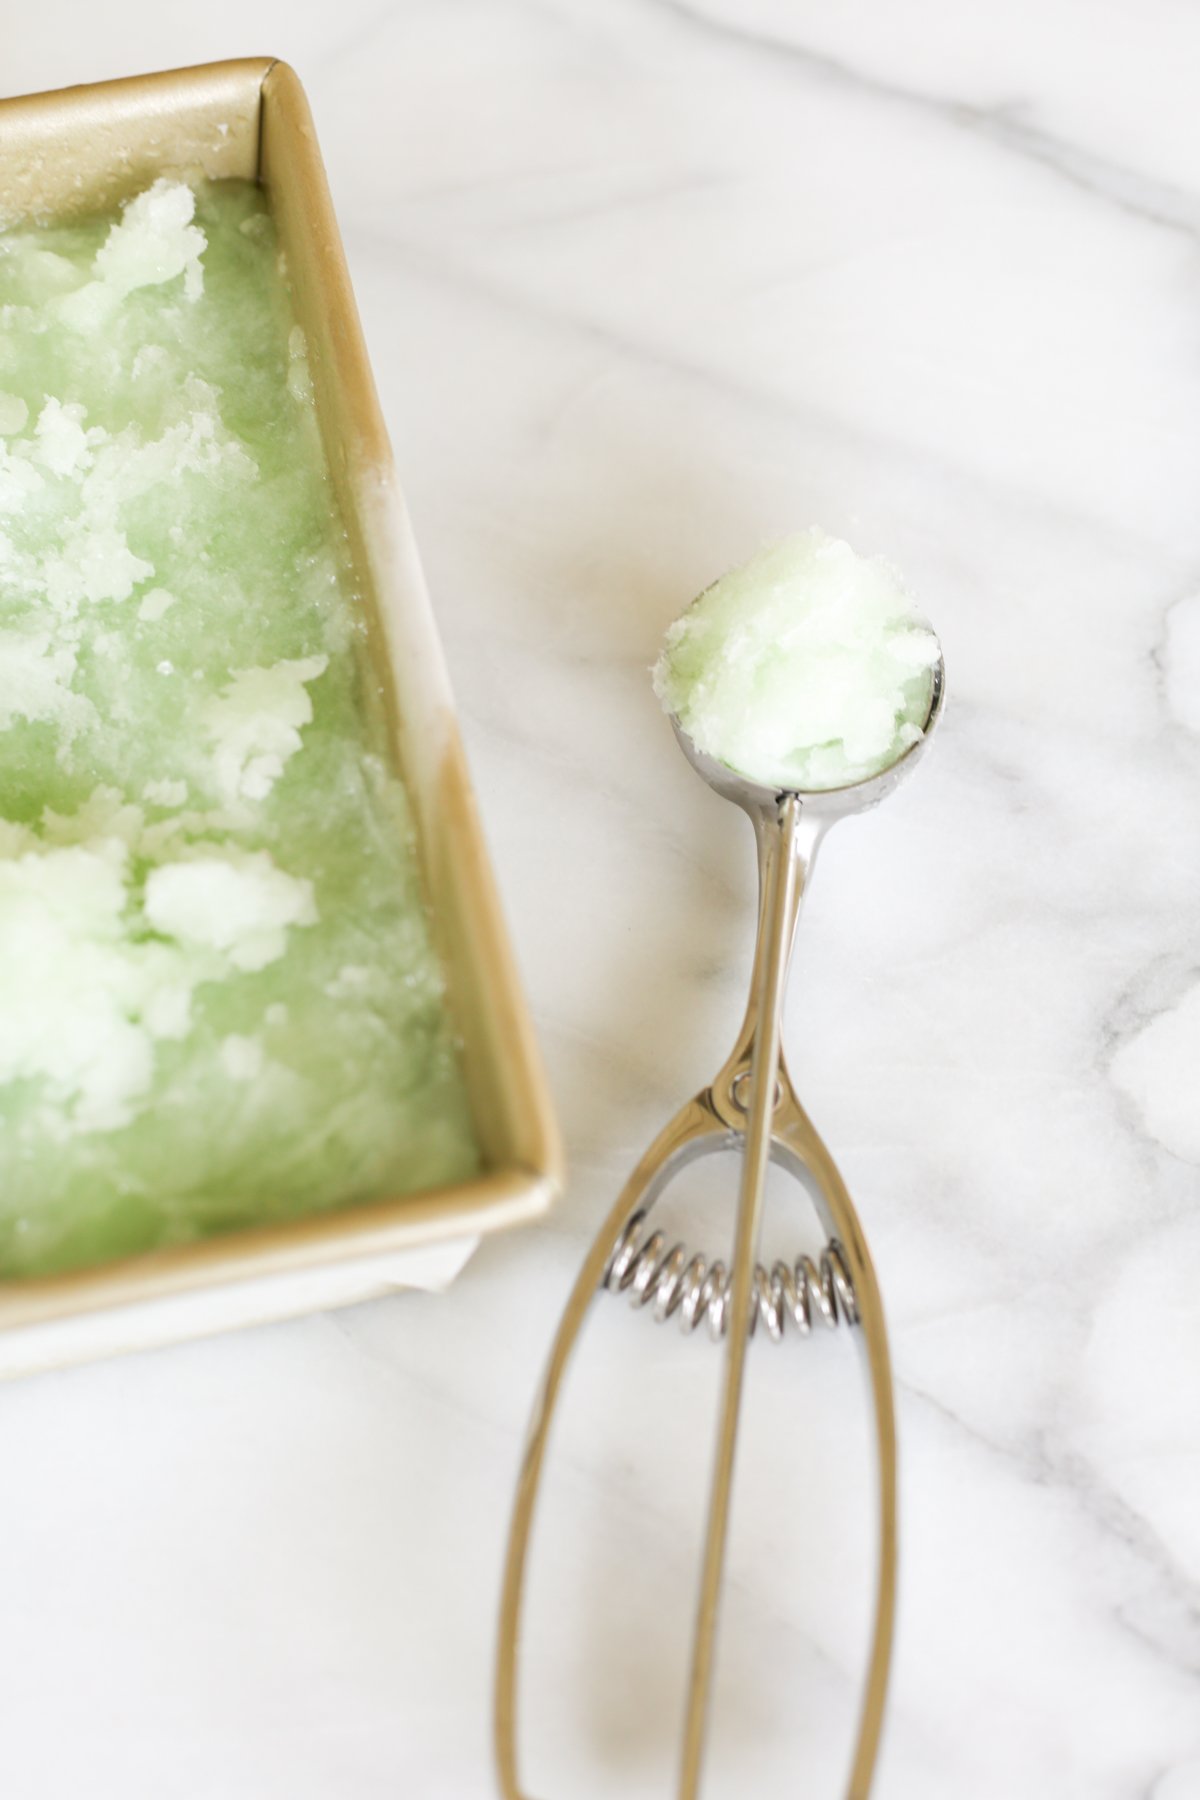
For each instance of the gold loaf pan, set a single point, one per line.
(82, 149)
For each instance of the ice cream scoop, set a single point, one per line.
(752, 1107)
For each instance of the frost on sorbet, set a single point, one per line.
(35, 682)
(219, 1001)
(59, 439)
(74, 993)
(82, 996)
(153, 242)
(807, 668)
(255, 726)
(236, 902)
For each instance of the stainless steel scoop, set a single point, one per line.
(750, 1107)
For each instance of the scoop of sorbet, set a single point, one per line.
(807, 668)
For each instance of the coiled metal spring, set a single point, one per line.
(678, 1283)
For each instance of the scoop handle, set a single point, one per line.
(779, 845)
(750, 1106)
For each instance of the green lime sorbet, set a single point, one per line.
(219, 1003)
(806, 669)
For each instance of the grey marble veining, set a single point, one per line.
(646, 282)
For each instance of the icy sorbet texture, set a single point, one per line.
(218, 999)
(806, 669)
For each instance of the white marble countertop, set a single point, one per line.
(645, 282)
